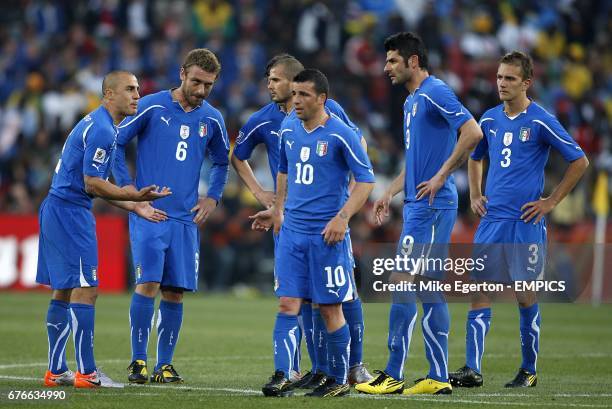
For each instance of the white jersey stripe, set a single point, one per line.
(350, 150)
(440, 108)
(550, 130)
(252, 130)
(139, 115)
(223, 135)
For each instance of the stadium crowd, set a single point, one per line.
(55, 53)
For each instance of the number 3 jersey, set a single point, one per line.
(518, 149)
(318, 165)
(172, 145)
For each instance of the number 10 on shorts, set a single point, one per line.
(335, 277)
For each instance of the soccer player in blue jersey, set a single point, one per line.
(68, 252)
(512, 231)
(313, 258)
(263, 127)
(176, 129)
(432, 117)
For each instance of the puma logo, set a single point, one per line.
(290, 143)
(167, 121)
(275, 133)
(334, 292)
(493, 132)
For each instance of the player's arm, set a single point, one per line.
(475, 171)
(381, 206)
(219, 154)
(359, 164)
(244, 170)
(552, 133)
(364, 144)
(273, 216)
(469, 136)
(142, 209)
(537, 209)
(96, 186)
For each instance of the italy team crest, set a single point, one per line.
(322, 148)
(202, 129)
(524, 134)
(305, 153)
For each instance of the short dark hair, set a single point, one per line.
(408, 44)
(321, 85)
(519, 59)
(291, 65)
(203, 58)
(111, 80)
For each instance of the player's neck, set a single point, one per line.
(416, 80)
(286, 106)
(116, 116)
(516, 106)
(179, 97)
(316, 121)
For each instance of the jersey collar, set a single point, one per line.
(110, 118)
(520, 113)
(179, 104)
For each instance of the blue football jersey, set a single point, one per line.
(432, 118)
(172, 145)
(88, 151)
(518, 151)
(318, 164)
(264, 126)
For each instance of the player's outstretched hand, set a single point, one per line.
(265, 219)
(149, 193)
(204, 208)
(148, 212)
(266, 198)
(537, 209)
(380, 209)
(430, 188)
(335, 230)
(478, 205)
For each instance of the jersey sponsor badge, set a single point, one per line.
(202, 129)
(507, 138)
(305, 153)
(100, 155)
(184, 131)
(524, 134)
(414, 109)
(321, 148)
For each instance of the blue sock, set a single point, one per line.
(285, 342)
(83, 317)
(306, 312)
(169, 320)
(530, 337)
(339, 345)
(320, 342)
(436, 323)
(297, 357)
(476, 327)
(58, 332)
(401, 324)
(353, 314)
(141, 317)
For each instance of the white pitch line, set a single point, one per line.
(380, 397)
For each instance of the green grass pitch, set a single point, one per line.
(224, 354)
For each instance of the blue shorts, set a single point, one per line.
(306, 267)
(167, 252)
(426, 234)
(67, 245)
(511, 250)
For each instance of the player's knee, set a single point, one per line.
(172, 294)
(289, 306)
(62, 295)
(526, 299)
(148, 289)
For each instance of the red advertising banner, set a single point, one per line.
(19, 252)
